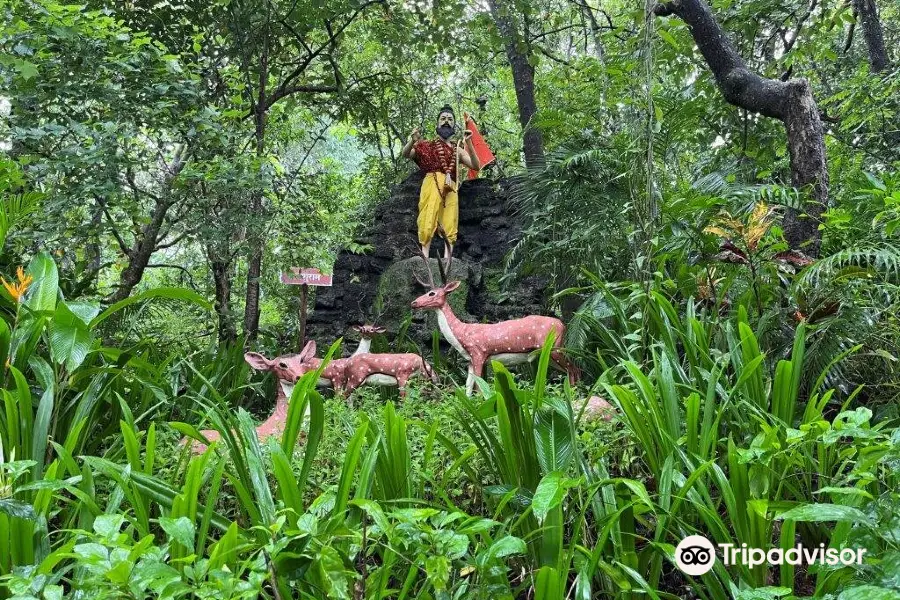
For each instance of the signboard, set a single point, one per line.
(305, 278)
(298, 276)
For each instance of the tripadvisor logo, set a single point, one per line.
(695, 555)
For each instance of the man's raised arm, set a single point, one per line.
(408, 151)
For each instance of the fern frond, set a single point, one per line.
(882, 260)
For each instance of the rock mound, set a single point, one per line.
(378, 287)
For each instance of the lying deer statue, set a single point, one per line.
(347, 374)
(508, 342)
(344, 374)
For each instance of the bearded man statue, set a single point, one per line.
(438, 159)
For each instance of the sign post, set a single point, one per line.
(305, 278)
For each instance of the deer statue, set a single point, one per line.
(366, 333)
(286, 369)
(508, 342)
(347, 374)
(344, 374)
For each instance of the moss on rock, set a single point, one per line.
(398, 287)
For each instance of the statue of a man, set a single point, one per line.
(438, 159)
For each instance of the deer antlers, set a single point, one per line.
(443, 271)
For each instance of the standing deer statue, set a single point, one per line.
(508, 342)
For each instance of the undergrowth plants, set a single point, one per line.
(509, 494)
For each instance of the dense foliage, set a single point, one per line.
(163, 162)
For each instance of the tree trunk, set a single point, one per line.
(806, 145)
(221, 272)
(92, 251)
(251, 303)
(588, 12)
(87, 283)
(790, 101)
(523, 80)
(254, 262)
(871, 28)
(255, 238)
(140, 253)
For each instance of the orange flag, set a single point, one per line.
(485, 156)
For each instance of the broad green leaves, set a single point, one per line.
(70, 336)
(44, 288)
(550, 493)
(179, 530)
(171, 293)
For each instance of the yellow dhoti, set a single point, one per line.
(438, 205)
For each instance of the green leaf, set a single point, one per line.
(764, 593)
(45, 287)
(179, 530)
(843, 491)
(334, 575)
(817, 513)
(86, 311)
(552, 439)
(27, 70)
(108, 526)
(15, 508)
(371, 508)
(667, 37)
(869, 592)
(505, 546)
(170, 293)
(550, 492)
(437, 569)
(70, 338)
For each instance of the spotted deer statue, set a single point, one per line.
(366, 333)
(508, 342)
(286, 369)
(381, 369)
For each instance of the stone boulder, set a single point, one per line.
(378, 286)
(399, 285)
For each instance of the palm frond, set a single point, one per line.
(878, 260)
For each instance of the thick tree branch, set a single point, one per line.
(740, 86)
(543, 34)
(301, 89)
(791, 102)
(550, 55)
(789, 44)
(870, 22)
(850, 32)
(175, 240)
(332, 56)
